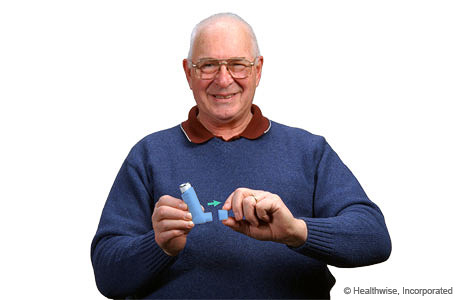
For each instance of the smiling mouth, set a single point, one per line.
(228, 96)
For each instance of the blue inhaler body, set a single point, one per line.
(189, 196)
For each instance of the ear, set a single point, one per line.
(188, 72)
(260, 63)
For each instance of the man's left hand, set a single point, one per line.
(266, 217)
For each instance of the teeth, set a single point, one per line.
(224, 97)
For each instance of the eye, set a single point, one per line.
(237, 66)
(208, 66)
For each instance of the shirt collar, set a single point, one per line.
(197, 133)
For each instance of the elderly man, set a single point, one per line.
(297, 207)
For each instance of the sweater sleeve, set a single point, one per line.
(124, 253)
(347, 229)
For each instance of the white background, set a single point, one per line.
(82, 81)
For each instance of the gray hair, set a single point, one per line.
(198, 27)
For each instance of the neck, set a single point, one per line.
(226, 130)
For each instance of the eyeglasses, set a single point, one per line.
(239, 68)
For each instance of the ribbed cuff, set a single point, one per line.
(153, 256)
(320, 242)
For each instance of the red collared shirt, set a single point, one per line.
(197, 133)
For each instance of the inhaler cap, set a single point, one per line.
(184, 186)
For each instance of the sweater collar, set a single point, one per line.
(197, 133)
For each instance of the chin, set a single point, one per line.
(225, 109)
(224, 114)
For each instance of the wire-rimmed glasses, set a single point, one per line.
(239, 67)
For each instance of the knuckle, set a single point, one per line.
(176, 233)
(266, 195)
(248, 206)
(165, 200)
(162, 198)
(278, 199)
(239, 190)
(160, 239)
(159, 226)
(161, 212)
(157, 204)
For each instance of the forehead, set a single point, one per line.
(223, 39)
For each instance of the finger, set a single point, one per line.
(167, 225)
(168, 235)
(265, 207)
(259, 195)
(235, 225)
(245, 228)
(171, 201)
(167, 212)
(228, 202)
(237, 205)
(249, 204)
(237, 202)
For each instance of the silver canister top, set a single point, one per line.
(184, 186)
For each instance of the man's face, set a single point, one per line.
(224, 99)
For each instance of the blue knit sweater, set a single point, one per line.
(345, 228)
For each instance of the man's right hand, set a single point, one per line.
(171, 222)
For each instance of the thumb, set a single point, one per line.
(241, 226)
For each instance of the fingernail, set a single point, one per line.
(190, 224)
(188, 216)
(183, 206)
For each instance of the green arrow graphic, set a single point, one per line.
(214, 203)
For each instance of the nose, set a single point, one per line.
(223, 77)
